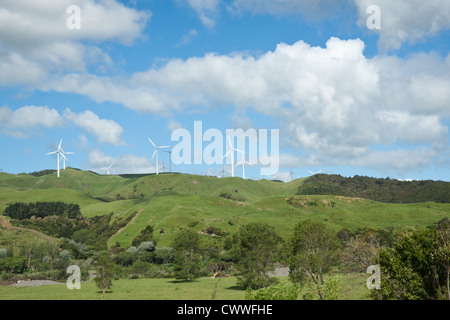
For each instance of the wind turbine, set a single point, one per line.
(63, 154)
(243, 163)
(107, 169)
(156, 152)
(222, 172)
(163, 169)
(314, 173)
(232, 149)
(170, 158)
(58, 153)
(291, 175)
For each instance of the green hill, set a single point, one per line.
(171, 200)
(384, 190)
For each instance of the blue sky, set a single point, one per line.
(347, 99)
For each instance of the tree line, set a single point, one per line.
(383, 190)
(21, 210)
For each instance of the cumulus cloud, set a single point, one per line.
(29, 117)
(406, 20)
(35, 40)
(123, 164)
(104, 129)
(19, 123)
(333, 103)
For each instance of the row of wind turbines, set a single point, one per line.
(231, 151)
(62, 155)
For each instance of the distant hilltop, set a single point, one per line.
(382, 190)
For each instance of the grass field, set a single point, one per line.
(171, 200)
(353, 288)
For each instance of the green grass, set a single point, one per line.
(171, 200)
(353, 288)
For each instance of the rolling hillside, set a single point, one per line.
(170, 200)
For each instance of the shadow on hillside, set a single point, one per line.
(237, 288)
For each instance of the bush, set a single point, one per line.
(13, 264)
(281, 291)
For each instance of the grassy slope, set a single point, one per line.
(172, 200)
(353, 286)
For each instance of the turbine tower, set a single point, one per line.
(170, 158)
(243, 163)
(58, 153)
(107, 169)
(63, 154)
(156, 152)
(231, 151)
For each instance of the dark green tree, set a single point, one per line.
(255, 248)
(187, 259)
(313, 252)
(417, 267)
(145, 236)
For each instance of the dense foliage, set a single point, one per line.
(383, 190)
(417, 267)
(255, 249)
(21, 210)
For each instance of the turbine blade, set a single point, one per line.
(154, 153)
(163, 147)
(51, 153)
(227, 153)
(151, 142)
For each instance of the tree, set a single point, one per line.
(255, 248)
(313, 250)
(187, 259)
(146, 235)
(417, 267)
(105, 273)
(13, 264)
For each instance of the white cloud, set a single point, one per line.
(35, 41)
(187, 38)
(18, 123)
(207, 10)
(105, 130)
(123, 164)
(406, 20)
(333, 104)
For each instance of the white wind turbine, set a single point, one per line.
(63, 154)
(58, 153)
(232, 149)
(314, 173)
(243, 163)
(107, 169)
(156, 152)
